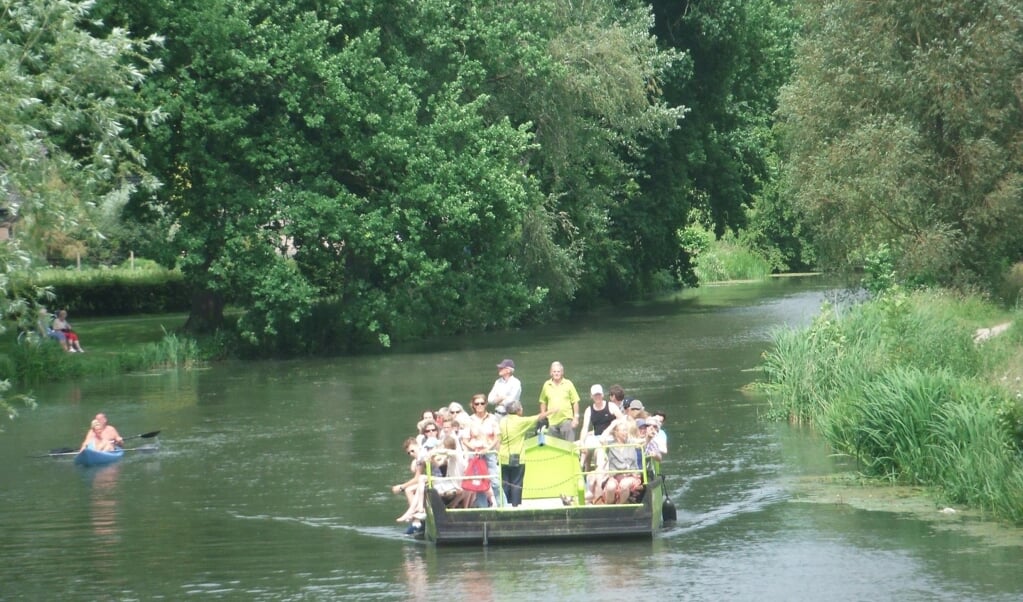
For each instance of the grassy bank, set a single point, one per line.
(113, 346)
(899, 384)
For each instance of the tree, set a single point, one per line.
(66, 160)
(903, 128)
(738, 55)
(370, 160)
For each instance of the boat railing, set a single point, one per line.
(432, 479)
(601, 462)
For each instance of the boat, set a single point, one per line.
(554, 506)
(92, 457)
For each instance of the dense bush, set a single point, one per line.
(112, 292)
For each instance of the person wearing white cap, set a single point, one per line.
(599, 416)
(506, 388)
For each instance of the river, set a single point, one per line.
(272, 481)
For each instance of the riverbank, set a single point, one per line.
(112, 346)
(903, 385)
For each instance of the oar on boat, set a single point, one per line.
(71, 451)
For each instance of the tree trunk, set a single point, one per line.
(207, 314)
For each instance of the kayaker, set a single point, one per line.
(95, 440)
(107, 433)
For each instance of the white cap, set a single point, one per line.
(596, 390)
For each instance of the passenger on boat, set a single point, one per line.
(617, 395)
(514, 428)
(599, 415)
(662, 437)
(414, 487)
(455, 408)
(482, 495)
(448, 429)
(507, 388)
(427, 437)
(634, 411)
(655, 427)
(560, 400)
(623, 471)
(450, 487)
(485, 427)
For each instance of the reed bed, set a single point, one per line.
(899, 384)
(726, 259)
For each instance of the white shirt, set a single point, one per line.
(507, 390)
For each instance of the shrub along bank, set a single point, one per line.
(899, 384)
(149, 289)
(113, 346)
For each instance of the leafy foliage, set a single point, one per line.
(903, 126)
(434, 167)
(66, 161)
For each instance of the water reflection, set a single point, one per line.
(103, 512)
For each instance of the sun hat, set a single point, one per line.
(596, 390)
(635, 404)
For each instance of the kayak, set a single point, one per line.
(92, 457)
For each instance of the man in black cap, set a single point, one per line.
(506, 388)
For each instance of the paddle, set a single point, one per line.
(67, 451)
(71, 451)
(668, 512)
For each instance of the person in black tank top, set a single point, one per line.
(596, 419)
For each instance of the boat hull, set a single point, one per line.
(485, 526)
(91, 457)
(551, 509)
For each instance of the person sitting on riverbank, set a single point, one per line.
(61, 324)
(48, 332)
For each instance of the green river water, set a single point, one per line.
(272, 481)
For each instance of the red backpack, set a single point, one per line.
(476, 478)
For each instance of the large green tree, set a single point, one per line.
(904, 129)
(66, 160)
(424, 167)
(737, 54)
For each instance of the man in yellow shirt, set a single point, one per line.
(560, 401)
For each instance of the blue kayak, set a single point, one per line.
(91, 457)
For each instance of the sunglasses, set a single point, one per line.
(480, 404)
(430, 430)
